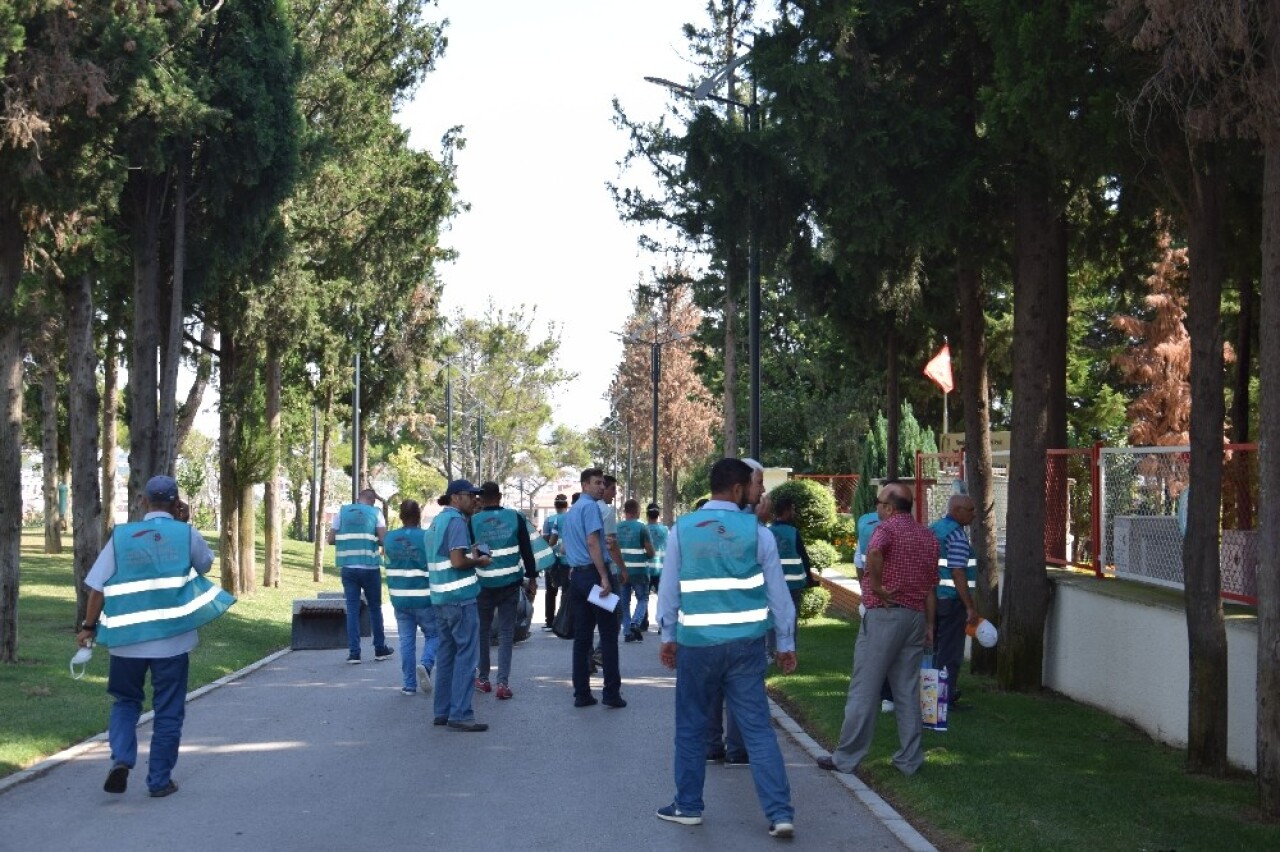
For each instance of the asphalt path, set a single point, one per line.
(307, 752)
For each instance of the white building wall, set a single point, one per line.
(1129, 658)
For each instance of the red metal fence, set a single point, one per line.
(841, 484)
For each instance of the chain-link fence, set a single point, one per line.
(842, 485)
(1142, 518)
(1070, 508)
(935, 473)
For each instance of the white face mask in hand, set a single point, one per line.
(81, 659)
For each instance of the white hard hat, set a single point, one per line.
(985, 633)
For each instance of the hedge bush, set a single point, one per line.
(821, 555)
(814, 603)
(815, 506)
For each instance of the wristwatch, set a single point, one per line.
(84, 625)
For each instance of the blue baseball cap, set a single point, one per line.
(461, 486)
(162, 489)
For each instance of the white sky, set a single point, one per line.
(532, 84)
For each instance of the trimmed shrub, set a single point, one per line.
(814, 603)
(821, 555)
(815, 506)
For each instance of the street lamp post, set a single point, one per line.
(655, 374)
(705, 91)
(355, 434)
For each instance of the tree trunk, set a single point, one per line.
(248, 553)
(1244, 361)
(977, 434)
(326, 446)
(49, 449)
(12, 247)
(167, 447)
(731, 445)
(110, 412)
(228, 491)
(143, 373)
(893, 403)
(271, 491)
(189, 410)
(1202, 574)
(82, 363)
(1268, 683)
(1053, 339)
(1039, 249)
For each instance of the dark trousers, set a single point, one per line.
(587, 619)
(557, 580)
(948, 641)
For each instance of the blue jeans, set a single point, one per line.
(126, 682)
(723, 734)
(587, 617)
(368, 581)
(408, 623)
(738, 669)
(504, 600)
(639, 586)
(459, 626)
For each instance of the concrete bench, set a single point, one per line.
(321, 623)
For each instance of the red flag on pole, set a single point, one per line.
(939, 369)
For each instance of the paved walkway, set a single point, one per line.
(306, 752)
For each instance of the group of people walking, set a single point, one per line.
(728, 578)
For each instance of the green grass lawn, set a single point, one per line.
(42, 710)
(1023, 772)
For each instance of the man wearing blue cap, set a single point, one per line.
(452, 562)
(147, 597)
(357, 533)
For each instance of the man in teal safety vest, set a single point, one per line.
(636, 550)
(723, 589)
(453, 561)
(557, 574)
(147, 597)
(409, 587)
(657, 535)
(791, 552)
(356, 534)
(506, 533)
(957, 575)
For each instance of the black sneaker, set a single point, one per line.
(715, 756)
(588, 701)
(737, 760)
(617, 702)
(353, 659)
(440, 721)
(117, 779)
(631, 637)
(383, 653)
(638, 633)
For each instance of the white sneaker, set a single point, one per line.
(886, 706)
(782, 828)
(424, 678)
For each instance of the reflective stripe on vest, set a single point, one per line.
(356, 539)
(722, 588)
(632, 535)
(942, 530)
(155, 592)
(788, 539)
(449, 585)
(408, 580)
(658, 538)
(498, 527)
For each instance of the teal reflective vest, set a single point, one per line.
(155, 592)
(543, 556)
(942, 530)
(657, 537)
(497, 527)
(408, 580)
(789, 554)
(722, 588)
(631, 538)
(553, 527)
(449, 585)
(356, 540)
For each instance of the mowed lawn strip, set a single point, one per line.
(43, 710)
(1022, 772)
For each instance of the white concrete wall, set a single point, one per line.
(1129, 658)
